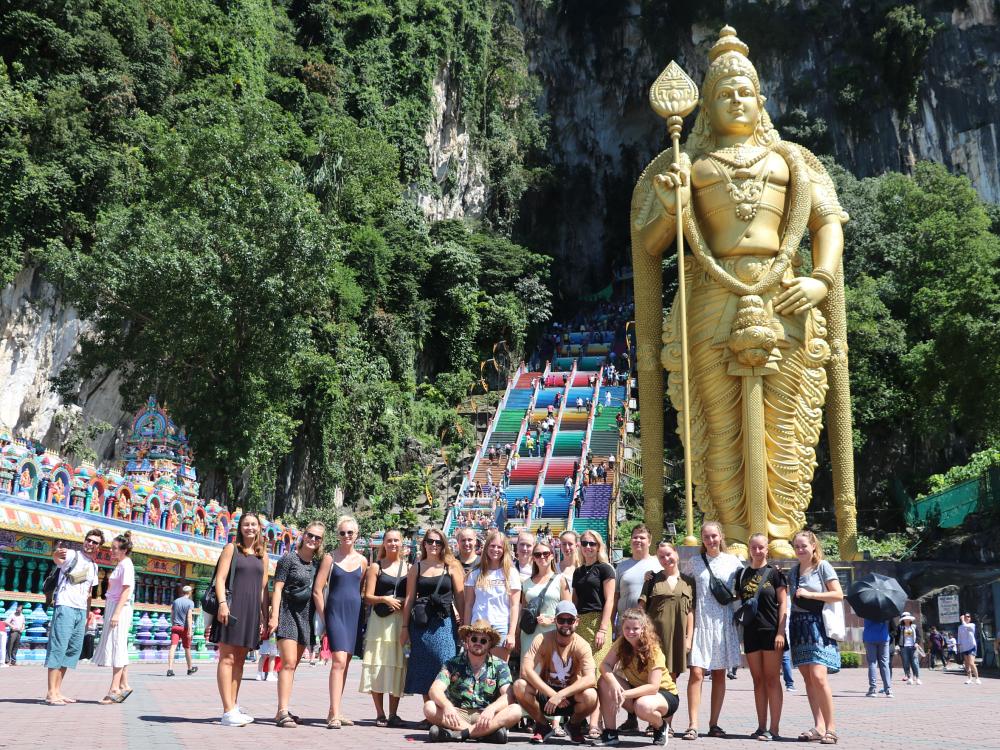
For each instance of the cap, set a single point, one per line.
(186, 590)
(566, 608)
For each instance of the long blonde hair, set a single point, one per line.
(575, 561)
(722, 536)
(535, 568)
(817, 554)
(482, 581)
(381, 547)
(602, 553)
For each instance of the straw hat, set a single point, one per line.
(482, 627)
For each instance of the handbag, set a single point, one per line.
(529, 615)
(210, 601)
(718, 588)
(812, 606)
(833, 620)
(425, 606)
(382, 609)
(748, 612)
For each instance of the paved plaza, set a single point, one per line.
(183, 712)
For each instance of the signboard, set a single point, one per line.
(33, 545)
(164, 567)
(846, 576)
(947, 608)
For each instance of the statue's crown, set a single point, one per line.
(727, 42)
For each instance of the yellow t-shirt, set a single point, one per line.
(636, 678)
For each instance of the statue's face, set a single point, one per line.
(735, 108)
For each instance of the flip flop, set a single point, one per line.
(64, 699)
(110, 698)
(381, 721)
(125, 694)
(57, 702)
(333, 724)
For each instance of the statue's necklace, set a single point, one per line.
(745, 186)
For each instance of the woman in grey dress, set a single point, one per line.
(716, 644)
(237, 628)
(292, 611)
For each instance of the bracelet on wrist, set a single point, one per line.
(821, 274)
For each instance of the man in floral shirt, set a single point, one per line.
(469, 696)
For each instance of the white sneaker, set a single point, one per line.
(978, 681)
(233, 719)
(244, 714)
(968, 681)
(919, 681)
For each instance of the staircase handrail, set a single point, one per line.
(595, 396)
(619, 463)
(552, 444)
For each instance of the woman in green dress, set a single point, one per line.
(667, 598)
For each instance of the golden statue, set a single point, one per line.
(766, 346)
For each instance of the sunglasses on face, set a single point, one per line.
(346, 533)
(479, 640)
(434, 542)
(588, 544)
(314, 537)
(565, 620)
(92, 541)
(542, 554)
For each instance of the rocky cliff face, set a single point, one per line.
(38, 334)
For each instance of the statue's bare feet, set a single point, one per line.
(781, 549)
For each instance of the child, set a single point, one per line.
(268, 658)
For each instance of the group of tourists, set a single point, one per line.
(546, 632)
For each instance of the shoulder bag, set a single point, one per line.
(717, 586)
(210, 601)
(529, 615)
(382, 609)
(812, 606)
(51, 583)
(425, 606)
(833, 619)
(748, 612)
(299, 595)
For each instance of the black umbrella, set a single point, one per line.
(877, 597)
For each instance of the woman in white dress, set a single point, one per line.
(716, 645)
(112, 650)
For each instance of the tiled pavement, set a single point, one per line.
(183, 712)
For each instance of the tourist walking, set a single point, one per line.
(557, 678)
(907, 637)
(76, 578)
(236, 628)
(181, 628)
(293, 608)
(967, 647)
(594, 599)
(540, 594)
(715, 646)
(877, 653)
(813, 584)
(634, 676)
(469, 698)
(15, 629)
(937, 644)
(763, 592)
(435, 588)
(112, 649)
(493, 593)
(342, 572)
(383, 665)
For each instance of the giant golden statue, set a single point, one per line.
(766, 344)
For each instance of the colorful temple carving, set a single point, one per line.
(153, 492)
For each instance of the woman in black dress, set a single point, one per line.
(343, 571)
(764, 633)
(237, 628)
(292, 611)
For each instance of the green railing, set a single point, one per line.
(949, 508)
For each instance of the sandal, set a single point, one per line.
(285, 721)
(830, 738)
(381, 721)
(690, 734)
(333, 723)
(765, 736)
(394, 721)
(810, 736)
(716, 731)
(125, 694)
(107, 700)
(345, 722)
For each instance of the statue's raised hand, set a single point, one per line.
(801, 293)
(665, 186)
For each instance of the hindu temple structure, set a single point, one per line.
(152, 492)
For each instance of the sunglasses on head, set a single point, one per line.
(314, 537)
(567, 620)
(587, 543)
(481, 640)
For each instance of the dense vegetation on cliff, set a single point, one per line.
(219, 187)
(226, 189)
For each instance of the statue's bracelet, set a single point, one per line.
(823, 275)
